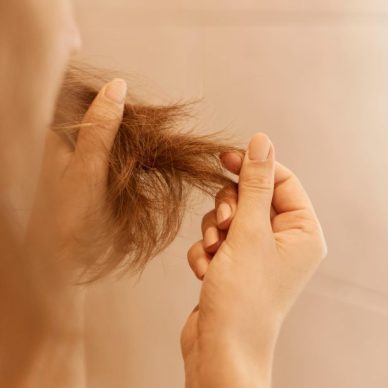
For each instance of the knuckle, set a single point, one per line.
(104, 107)
(305, 221)
(258, 183)
(105, 123)
(103, 116)
(191, 253)
(249, 233)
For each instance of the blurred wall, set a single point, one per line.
(313, 75)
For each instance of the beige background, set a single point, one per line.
(313, 75)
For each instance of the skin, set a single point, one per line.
(67, 216)
(251, 276)
(42, 311)
(31, 74)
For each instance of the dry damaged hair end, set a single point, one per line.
(153, 166)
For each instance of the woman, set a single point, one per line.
(253, 263)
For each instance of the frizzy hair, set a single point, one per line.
(153, 166)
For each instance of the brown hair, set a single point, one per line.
(154, 164)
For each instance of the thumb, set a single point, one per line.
(101, 123)
(256, 185)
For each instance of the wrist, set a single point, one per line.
(235, 367)
(230, 363)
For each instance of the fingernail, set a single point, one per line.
(259, 147)
(224, 212)
(211, 236)
(116, 90)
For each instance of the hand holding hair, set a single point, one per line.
(42, 320)
(252, 275)
(113, 195)
(153, 166)
(70, 210)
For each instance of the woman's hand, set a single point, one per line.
(70, 209)
(67, 218)
(254, 262)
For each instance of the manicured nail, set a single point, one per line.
(116, 90)
(259, 147)
(211, 236)
(224, 212)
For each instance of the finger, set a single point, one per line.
(292, 203)
(100, 124)
(212, 236)
(198, 259)
(232, 161)
(226, 209)
(226, 205)
(289, 194)
(256, 186)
